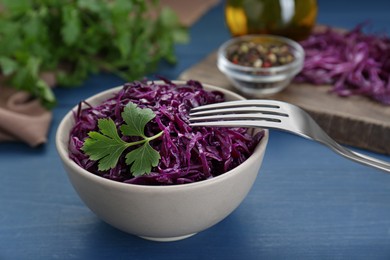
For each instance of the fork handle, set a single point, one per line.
(365, 159)
(361, 158)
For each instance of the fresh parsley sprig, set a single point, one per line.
(106, 146)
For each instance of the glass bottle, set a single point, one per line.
(290, 18)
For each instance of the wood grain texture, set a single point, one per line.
(356, 121)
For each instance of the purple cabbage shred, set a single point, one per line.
(354, 63)
(188, 154)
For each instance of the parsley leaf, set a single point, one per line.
(136, 119)
(150, 157)
(106, 146)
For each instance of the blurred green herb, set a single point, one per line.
(77, 37)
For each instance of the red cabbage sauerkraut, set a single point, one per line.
(354, 62)
(188, 154)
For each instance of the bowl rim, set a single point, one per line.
(272, 78)
(298, 52)
(62, 138)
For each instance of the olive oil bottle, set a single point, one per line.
(290, 18)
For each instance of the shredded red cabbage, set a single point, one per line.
(355, 63)
(187, 154)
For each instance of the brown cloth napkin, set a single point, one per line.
(24, 119)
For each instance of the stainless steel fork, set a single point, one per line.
(274, 115)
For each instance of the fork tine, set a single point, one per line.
(240, 110)
(240, 123)
(241, 117)
(241, 103)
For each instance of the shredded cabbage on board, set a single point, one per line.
(188, 154)
(354, 62)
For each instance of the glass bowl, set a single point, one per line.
(259, 81)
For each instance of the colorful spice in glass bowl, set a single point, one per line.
(260, 55)
(260, 65)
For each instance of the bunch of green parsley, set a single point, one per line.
(75, 38)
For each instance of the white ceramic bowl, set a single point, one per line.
(161, 213)
(260, 82)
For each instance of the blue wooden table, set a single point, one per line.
(307, 203)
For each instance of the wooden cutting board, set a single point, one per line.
(355, 121)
